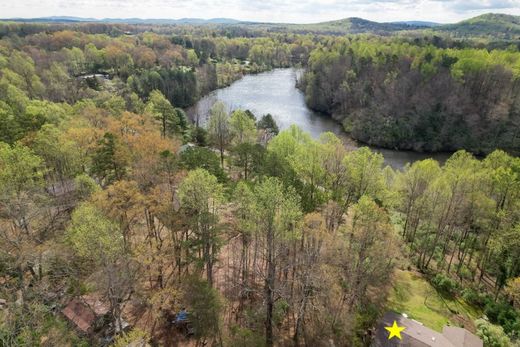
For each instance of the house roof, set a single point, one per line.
(83, 311)
(417, 335)
(461, 337)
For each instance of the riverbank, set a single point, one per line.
(275, 92)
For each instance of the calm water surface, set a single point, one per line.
(274, 92)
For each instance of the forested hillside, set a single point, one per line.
(345, 26)
(394, 94)
(110, 195)
(492, 25)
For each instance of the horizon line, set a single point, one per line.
(97, 19)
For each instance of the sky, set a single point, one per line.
(286, 11)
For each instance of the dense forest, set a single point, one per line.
(265, 237)
(419, 97)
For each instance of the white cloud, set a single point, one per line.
(295, 11)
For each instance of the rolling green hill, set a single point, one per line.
(354, 26)
(490, 24)
(493, 25)
(500, 26)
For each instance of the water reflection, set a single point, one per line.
(274, 92)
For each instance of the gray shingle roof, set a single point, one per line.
(417, 335)
(461, 337)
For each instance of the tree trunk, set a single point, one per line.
(269, 284)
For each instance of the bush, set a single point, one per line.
(204, 306)
(474, 297)
(445, 285)
(244, 337)
(131, 337)
(199, 136)
(281, 307)
(465, 273)
(503, 314)
(85, 186)
(492, 335)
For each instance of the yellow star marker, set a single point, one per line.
(395, 330)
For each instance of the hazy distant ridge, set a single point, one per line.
(59, 19)
(491, 24)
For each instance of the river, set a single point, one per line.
(275, 92)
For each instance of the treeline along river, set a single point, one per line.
(275, 92)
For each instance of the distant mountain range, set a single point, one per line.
(491, 24)
(418, 23)
(68, 19)
(63, 19)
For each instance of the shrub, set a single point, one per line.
(465, 273)
(492, 335)
(244, 337)
(504, 314)
(199, 136)
(281, 307)
(445, 285)
(85, 186)
(132, 337)
(474, 297)
(204, 306)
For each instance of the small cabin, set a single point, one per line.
(86, 312)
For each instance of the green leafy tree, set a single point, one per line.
(242, 127)
(246, 224)
(60, 155)
(219, 129)
(109, 161)
(492, 335)
(98, 240)
(201, 195)
(203, 158)
(199, 136)
(268, 125)
(23, 65)
(205, 305)
(93, 236)
(248, 156)
(163, 111)
(277, 211)
(366, 253)
(85, 186)
(21, 200)
(412, 184)
(279, 153)
(9, 127)
(364, 176)
(307, 162)
(513, 290)
(21, 170)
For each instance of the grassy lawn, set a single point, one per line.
(413, 295)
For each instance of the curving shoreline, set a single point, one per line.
(275, 92)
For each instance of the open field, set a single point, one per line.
(413, 295)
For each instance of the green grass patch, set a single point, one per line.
(413, 295)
